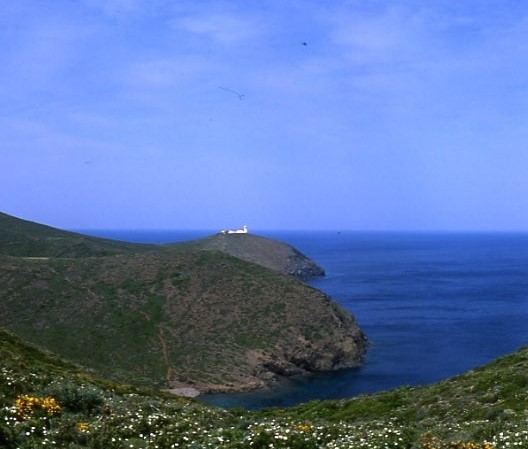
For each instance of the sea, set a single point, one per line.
(432, 305)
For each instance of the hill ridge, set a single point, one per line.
(264, 251)
(19, 237)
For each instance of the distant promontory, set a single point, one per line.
(270, 253)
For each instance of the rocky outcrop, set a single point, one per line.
(302, 267)
(270, 253)
(300, 353)
(344, 347)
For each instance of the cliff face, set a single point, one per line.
(263, 251)
(343, 347)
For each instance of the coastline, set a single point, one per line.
(187, 392)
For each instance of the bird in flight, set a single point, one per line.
(304, 43)
(240, 96)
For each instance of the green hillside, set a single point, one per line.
(28, 239)
(476, 403)
(171, 317)
(48, 402)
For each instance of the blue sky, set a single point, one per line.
(396, 115)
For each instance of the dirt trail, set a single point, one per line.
(169, 376)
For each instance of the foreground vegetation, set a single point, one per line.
(48, 402)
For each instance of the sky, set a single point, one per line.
(293, 114)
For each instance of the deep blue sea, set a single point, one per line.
(432, 305)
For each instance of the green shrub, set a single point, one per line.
(87, 400)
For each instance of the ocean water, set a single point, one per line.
(432, 305)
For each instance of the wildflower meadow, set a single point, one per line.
(45, 402)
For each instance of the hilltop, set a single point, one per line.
(28, 239)
(24, 238)
(46, 401)
(169, 316)
(263, 251)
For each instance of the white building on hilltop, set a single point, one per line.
(244, 230)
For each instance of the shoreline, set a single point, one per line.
(187, 392)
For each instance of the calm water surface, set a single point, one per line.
(432, 305)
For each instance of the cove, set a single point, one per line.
(432, 305)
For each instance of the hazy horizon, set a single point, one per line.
(300, 230)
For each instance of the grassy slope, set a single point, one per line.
(484, 408)
(163, 316)
(491, 393)
(188, 317)
(28, 239)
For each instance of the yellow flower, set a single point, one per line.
(82, 427)
(51, 406)
(26, 405)
(305, 427)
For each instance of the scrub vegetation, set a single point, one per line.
(167, 316)
(46, 401)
